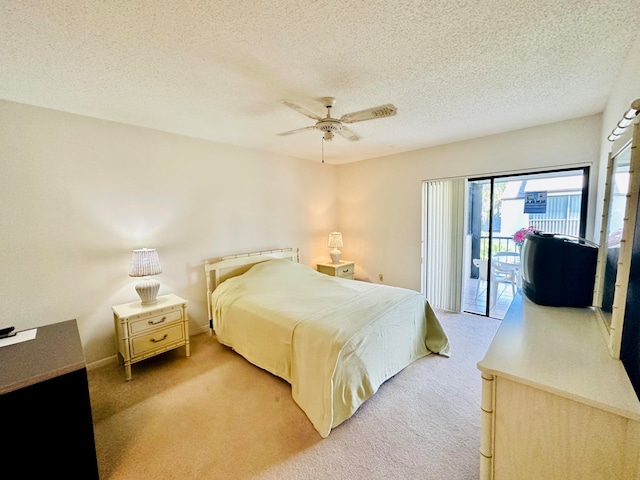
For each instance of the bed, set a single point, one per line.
(334, 340)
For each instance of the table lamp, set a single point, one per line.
(335, 241)
(144, 263)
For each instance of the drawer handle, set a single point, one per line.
(346, 270)
(151, 322)
(163, 338)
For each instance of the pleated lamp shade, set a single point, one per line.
(144, 263)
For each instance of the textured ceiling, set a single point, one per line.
(219, 70)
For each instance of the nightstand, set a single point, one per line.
(44, 396)
(343, 269)
(143, 331)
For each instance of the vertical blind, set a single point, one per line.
(444, 243)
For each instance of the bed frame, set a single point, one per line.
(233, 265)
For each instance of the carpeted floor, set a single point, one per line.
(215, 416)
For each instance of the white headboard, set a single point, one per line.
(233, 265)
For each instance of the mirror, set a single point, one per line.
(616, 238)
(619, 187)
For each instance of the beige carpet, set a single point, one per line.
(215, 416)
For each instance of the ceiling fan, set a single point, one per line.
(330, 125)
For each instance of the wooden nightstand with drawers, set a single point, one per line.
(143, 331)
(343, 269)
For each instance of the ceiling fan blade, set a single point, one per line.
(296, 130)
(302, 110)
(382, 111)
(349, 134)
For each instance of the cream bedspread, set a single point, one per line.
(334, 340)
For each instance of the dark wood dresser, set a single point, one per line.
(45, 412)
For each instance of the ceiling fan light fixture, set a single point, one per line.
(329, 125)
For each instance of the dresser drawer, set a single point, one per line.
(345, 271)
(157, 339)
(154, 322)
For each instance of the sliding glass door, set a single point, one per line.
(500, 210)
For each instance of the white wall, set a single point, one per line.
(380, 200)
(78, 194)
(625, 91)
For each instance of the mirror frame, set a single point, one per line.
(614, 331)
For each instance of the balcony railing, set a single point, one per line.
(500, 244)
(506, 244)
(562, 226)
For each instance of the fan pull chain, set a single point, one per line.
(322, 141)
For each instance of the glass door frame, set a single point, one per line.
(584, 203)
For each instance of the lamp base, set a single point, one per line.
(148, 291)
(335, 255)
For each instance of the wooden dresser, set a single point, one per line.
(47, 427)
(555, 404)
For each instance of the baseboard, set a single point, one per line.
(199, 330)
(114, 358)
(102, 363)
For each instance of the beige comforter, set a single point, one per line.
(334, 340)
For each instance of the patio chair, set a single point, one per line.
(500, 274)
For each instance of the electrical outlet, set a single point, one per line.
(381, 277)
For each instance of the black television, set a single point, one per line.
(558, 270)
